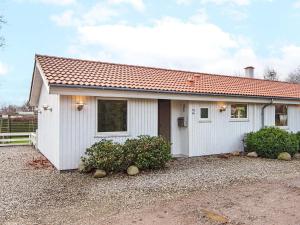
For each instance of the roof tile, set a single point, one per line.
(68, 71)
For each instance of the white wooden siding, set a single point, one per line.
(220, 134)
(78, 128)
(48, 126)
(65, 133)
(294, 118)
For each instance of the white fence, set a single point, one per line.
(11, 139)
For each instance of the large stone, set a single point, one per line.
(297, 156)
(99, 174)
(252, 154)
(284, 156)
(81, 167)
(132, 170)
(236, 153)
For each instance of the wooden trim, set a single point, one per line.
(156, 95)
(116, 133)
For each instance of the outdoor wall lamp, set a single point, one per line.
(47, 107)
(222, 108)
(79, 106)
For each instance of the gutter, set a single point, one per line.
(171, 92)
(263, 112)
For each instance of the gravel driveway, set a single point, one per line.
(45, 196)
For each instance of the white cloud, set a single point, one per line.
(169, 42)
(98, 13)
(173, 43)
(101, 12)
(137, 4)
(296, 4)
(3, 69)
(287, 59)
(64, 19)
(193, 44)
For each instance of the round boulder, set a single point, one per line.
(236, 153)
(132, 170)
(252, 154)
(297, 156)
(284, 156)
(81, 167)
(99, 174)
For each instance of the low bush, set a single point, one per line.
(298, 137)
(270, 141)
(104, 155)
(145, 152)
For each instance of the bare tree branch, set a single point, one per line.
(270, 74)
(294, 77)
(2, 40)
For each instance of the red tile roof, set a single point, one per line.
(84, 73)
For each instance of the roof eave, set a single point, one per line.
(172, 92)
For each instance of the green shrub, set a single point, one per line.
(270, 141)
(104, 155)
(298, 137)
(147, 152)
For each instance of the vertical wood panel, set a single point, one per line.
(79, 130)
(220, 134)
(48, 126)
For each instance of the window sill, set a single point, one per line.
(283, 127)
(205, 121)
(239, 120)
(111, 134)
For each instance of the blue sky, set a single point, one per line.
(217, 36)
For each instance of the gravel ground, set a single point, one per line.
(45, 196)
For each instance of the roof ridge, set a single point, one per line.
(159, 68)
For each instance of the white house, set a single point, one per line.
(81, 102)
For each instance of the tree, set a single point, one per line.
(13, 109)
(294, 76)
(2, 40)
(270, 74)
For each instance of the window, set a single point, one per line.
(239, 111)
(281, 115)
(112, 116)
(203, 113)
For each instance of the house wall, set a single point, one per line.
(48, 126)
(294, 118)
(78, 128)
(221, 134)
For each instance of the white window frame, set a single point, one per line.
(287, 113)
(205, 120)
(114, 133)
(239, 119)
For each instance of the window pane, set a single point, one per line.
(239, 111)
(204, 113)
(281, 115)
(112, 115)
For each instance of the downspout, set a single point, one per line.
(263, 112)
